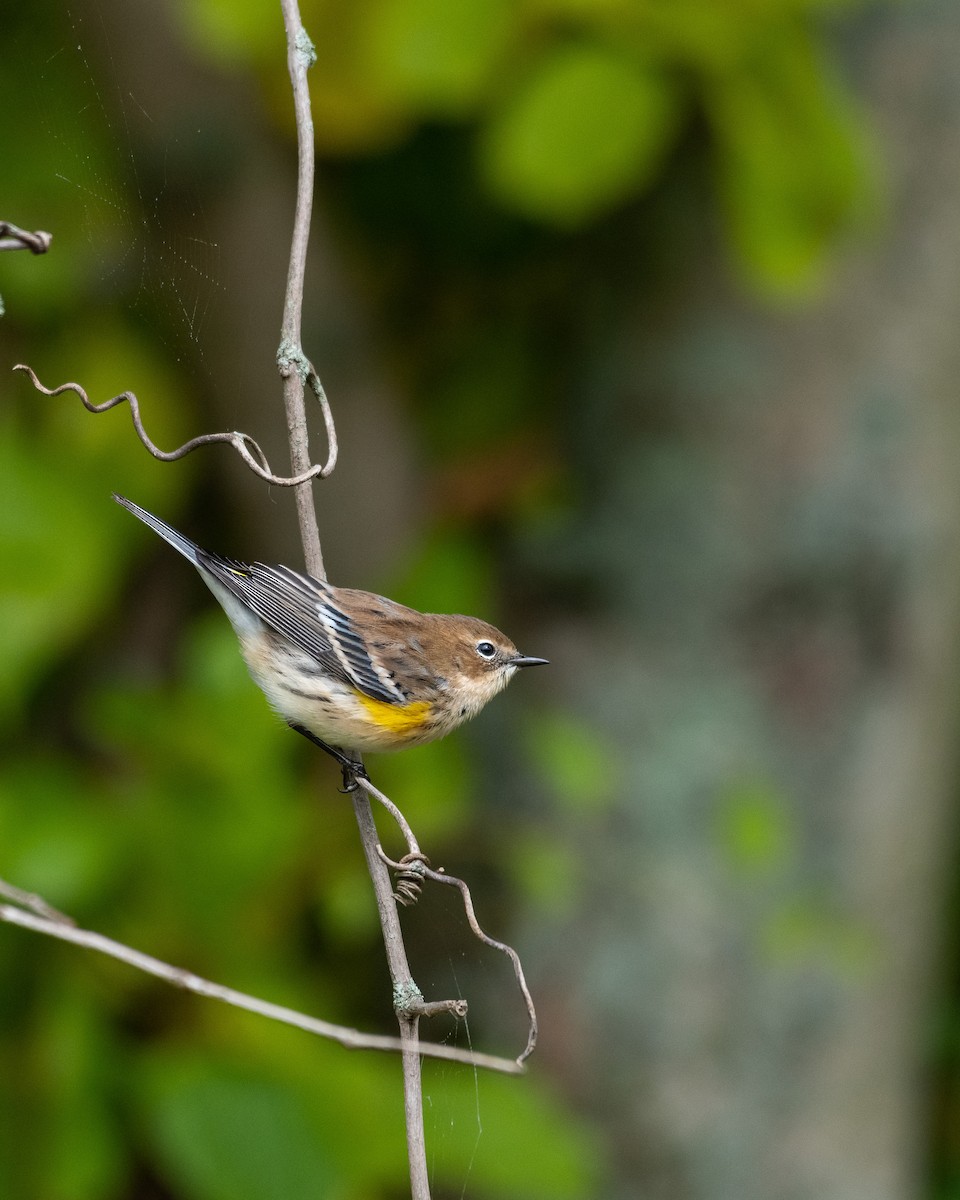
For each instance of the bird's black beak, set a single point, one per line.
(522, 661)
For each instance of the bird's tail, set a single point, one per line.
(177, 540)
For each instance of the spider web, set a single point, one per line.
(134, 182)
(457, 966)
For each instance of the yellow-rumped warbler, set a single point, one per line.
(351, 669)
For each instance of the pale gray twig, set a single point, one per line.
(413, 846)
(414, 867)
(12, 237)
(408, 1000)
(34, 902)
(244, 445)
(419, 865)
(295, 368)
(63, 928)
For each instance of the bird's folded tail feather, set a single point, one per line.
(187, 548)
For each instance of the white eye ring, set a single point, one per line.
(486, 650)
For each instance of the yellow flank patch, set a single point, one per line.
(398, 718)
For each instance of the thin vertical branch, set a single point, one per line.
(296, 371)
(293, 364)
(407, 997)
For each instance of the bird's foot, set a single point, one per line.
(350, 768)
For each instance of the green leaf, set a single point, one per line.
(587, 129)
(791, 160)
(548, 874)
(437, 55)
(49, 544)
(579, 766)
(232, 33)
(806, 932)
(58, 835)
(223, 1134)
(755, 831)
(436, 784)
(61, 536)
(83, 1153)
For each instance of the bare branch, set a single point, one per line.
(244, 445)
(63, 928)
(413, 846)
(295, 368)
(333, 446)
(296, 371)
(414, 867)
(434, 1008)
(34, 903)
(418, 864)
(407, 998)
(12, 237)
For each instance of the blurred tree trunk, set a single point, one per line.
(749, 985)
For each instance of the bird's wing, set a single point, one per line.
(304, 611)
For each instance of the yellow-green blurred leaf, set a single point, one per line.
(807, 932)
(436, 55)
(59, 558)
(234, 33)
(83, 1156)
(577, 763)
(436, 784)
(755, 830)
(547, 871)
(224, 1134)
(791, 160)
(588, 128)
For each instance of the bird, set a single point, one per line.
(352, 671)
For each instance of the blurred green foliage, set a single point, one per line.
(148, 791)
(590, 128)
(755, 829)
(758, 840)
(573, 107)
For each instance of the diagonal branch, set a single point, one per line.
(42, 918)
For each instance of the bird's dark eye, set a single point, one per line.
(486, 650)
